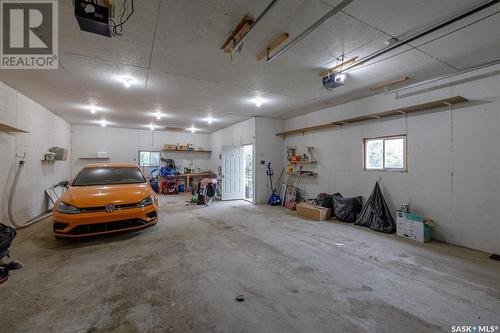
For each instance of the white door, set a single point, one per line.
(233, 173)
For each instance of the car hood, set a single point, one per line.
(102, 195)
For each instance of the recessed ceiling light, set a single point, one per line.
(258, 102)
(93, 108)
(103, 123)
(192, 129)
(127, 82)
(210, 120)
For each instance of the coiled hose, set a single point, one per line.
(12, 192)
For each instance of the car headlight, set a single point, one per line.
(148, 201)
(67, 209)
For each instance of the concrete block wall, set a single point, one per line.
(45, 130)
(453, 172)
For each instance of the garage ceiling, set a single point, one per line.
(171, 50)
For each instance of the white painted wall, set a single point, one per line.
(269, 148)
(242, 133)
(455, 181)
(261, 133)
(45, 130)
(123, 145)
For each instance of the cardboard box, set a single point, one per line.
(413, 226)
(169, 147)
(61, 153)
(313, 212)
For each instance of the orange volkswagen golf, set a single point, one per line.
(105, 198)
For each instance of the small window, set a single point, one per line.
(149, 158)
(386, 153)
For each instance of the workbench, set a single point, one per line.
(188, 177)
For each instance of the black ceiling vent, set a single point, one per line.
(92, 17)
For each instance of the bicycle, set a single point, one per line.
(210, 190)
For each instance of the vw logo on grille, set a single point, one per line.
(110, 208)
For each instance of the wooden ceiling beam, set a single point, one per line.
(239, 32)
(389, 83)
(337, 67)
(277, 42)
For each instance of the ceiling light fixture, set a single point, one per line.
(339, 77)
(152, 126)
(258, 102)
(210, 120)
(158, 115)
(103, 123)
(192, 129)
(93, 108)
(127, 82)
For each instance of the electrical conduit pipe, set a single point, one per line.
(12, 192)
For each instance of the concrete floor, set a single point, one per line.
(297, 276)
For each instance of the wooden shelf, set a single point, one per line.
(93, 158)
(186, 151)
(10, 129)
(302, 162)
(380, 115)
(302, 175)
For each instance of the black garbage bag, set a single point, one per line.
(376, 214)
(323, 200)
(7, 234)
(346, 209)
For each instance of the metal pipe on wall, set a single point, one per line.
(306, 32)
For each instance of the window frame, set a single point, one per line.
(384, 138)
(148, 165)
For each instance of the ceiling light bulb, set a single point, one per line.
(192, 130)
(103, 123)
(152, 126)
(340, 77)
(127, 82)
(158, 115)
(258, 102)
(92, 108)
(210, 120)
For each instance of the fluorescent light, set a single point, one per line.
(93, 108)
(127, 82)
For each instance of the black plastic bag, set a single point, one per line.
(323, 200)
(346, 209)
(376, 214)
(7, 234)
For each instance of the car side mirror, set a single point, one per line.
(63, 183)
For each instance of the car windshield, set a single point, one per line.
(108, 176)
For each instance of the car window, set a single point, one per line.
(108, 176)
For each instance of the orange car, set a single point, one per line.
(105, 198)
